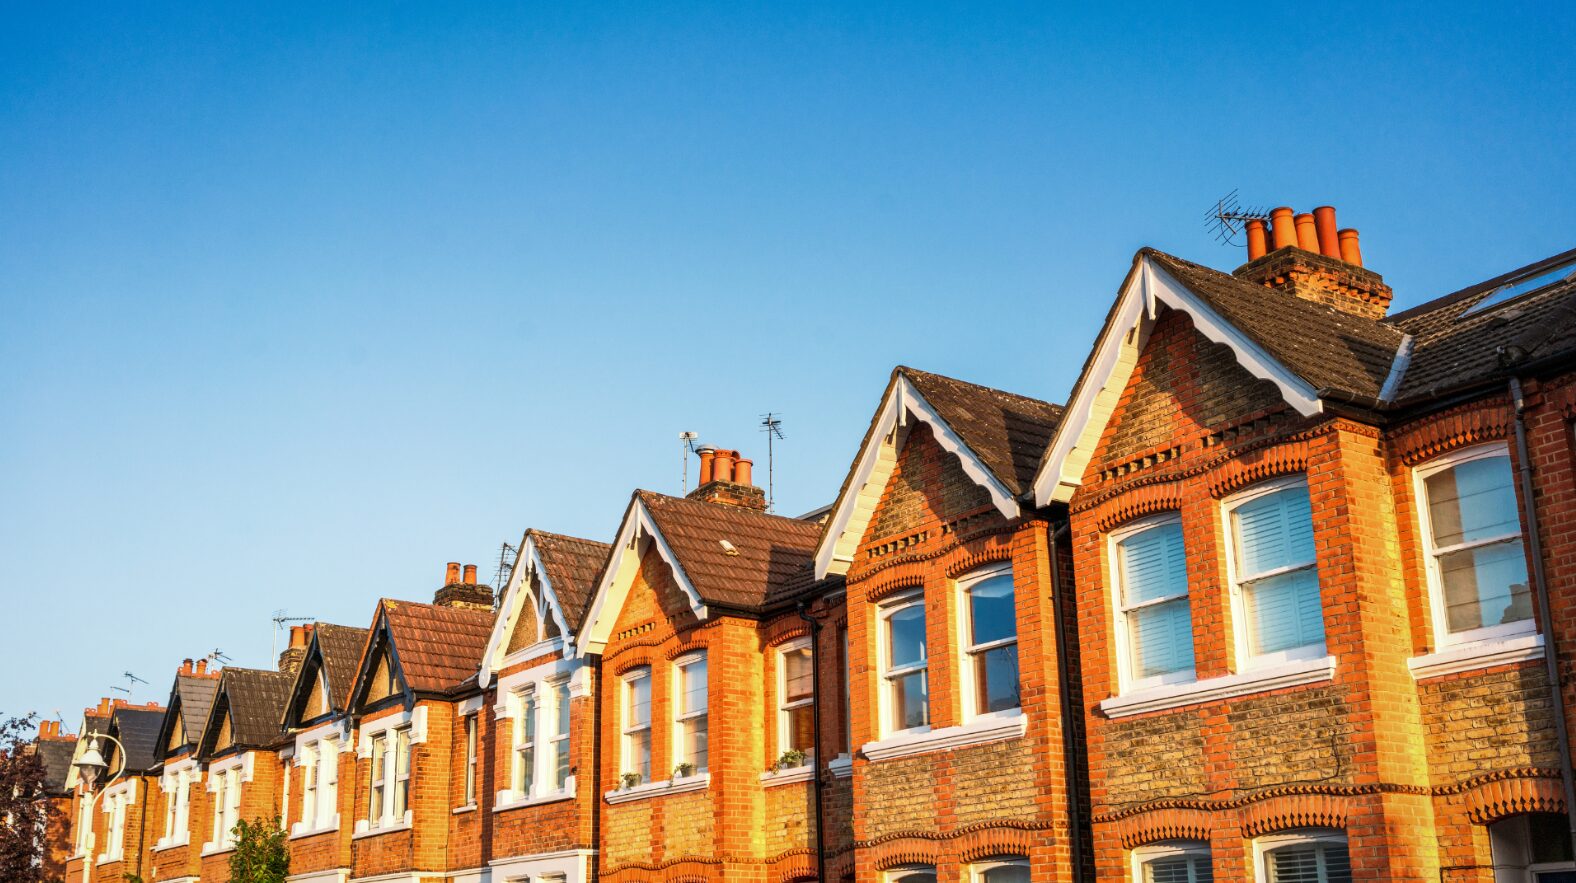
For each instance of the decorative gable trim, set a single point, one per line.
(636, 535)
(528, 565)
(875, 463)
(1116, 353)
(380, 648)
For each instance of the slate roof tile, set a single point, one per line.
(1006, 431)
(438, 647)
(573, 567)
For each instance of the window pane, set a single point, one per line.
(910, 701)
(797, 681)
(640, 755)
(1008, 874)
(992, 615)
(639, 701)
(524, 770)
(1472, 501)
(1179, 869)
(914, 877)
(560, 764)
(801, 729)
(694, 685)
(996, 679)
(561, 706)
(906, 635)
(1485, 586)
(1310, 863)
(1162, 638)
(1274, 530)
(694, 742)
(528, 718)
(1284, 612)
(1153, 564)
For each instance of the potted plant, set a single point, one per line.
(684, 770)
(791, 758)
(628, 780)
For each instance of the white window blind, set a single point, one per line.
(1321, 861)
(1152, 576)
(1276, 572)
(1478, 567)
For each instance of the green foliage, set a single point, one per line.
(24, 807)
(260, 854)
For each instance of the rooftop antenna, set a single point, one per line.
(131, 682)
(772, 425)
(217, 656)
(280, 618)
(507, 556)
(687, 443)
(1226, 217)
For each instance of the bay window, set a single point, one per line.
(390, 778)
(690, 712)
(1476, 566)
(1154, 621)
(226, 788)
(1312, 856)
(1274, 573)
(795, 698)
(1532, 848)
(525, 743)
(1181, 861)
(559, 738)
(319, 777)
(990, 642)
(636, 756)
(904, 660)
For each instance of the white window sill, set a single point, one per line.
(697, 782)
(381, 829)
(1477, 654)
(841, 766)
(537, 800)
(111, 859)
(216, 848)
(1258, 680)
(458, 810)
(299, 829)
(976, 732)
(164, 843)
(801, 773)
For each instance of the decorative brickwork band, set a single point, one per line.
(1141, 501)
(681, 870)
(1208, 804)
(1512, 792)
(972, 843)
(1163, 824)
(1456, 428)
(1239, 472)
(1294, 811)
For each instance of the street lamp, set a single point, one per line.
(90, 766)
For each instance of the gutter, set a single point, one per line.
(1071, 765)
(815, 742)
(1540, 590)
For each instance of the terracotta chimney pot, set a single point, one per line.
(202, 666)
(1350, 252)
(1283, 227)
(1307, 237)
(1324, 224)
(741, 471)
(470, 574)
(297, 636)
(722, 466)
(706, 456)
(186, 666)
(451, 575)
(1257, 245)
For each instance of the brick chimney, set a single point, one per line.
(291, 657)
(1314, 260)
(725, 479)
(458, 591)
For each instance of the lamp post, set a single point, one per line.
(90, 766)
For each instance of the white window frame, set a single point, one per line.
(1263, 846)
(785, 708)
(628, 732)
(317, 756)
(562, 695)
(978, 870)
(224, 783)
(1239, 612)
(114, 807)
(680, 718)
(893, 875)
(887, 675)
(524, 774)
(1168, 849)
(543, 681)
(284, 789)
(1119, 612)
(471, 734)
(969, 654)
(1443, 637)
(385, 817)
(176, 783)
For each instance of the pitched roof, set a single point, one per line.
(1328, 348)
(1007, 431)
(254, 699)
(341, 646)
(768, 550)
(56, 756)
(438, 647)
(196, 696)
(138, 730)
(573, 565)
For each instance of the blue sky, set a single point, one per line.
(298, 303)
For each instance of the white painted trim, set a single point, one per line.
(1262, 846)
(1117, 587)
(1259, 680)
(1247, 660)
(966, 678)
(1480, 654)
(1116, 352)
(635, 536)
(902, 401)
(989, 728)
(573, 864)
(528, 563)
(416, 719)
(801, 773)
(336, 875)
(841, 766)
(364, 828)
(505, 803)
(1167, 849)
(697, 782)
(1403, 360)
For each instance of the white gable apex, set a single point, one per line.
(1116, 353)
(528, 565)
(636, 536)
(874, 466)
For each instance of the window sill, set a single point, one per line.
(1289, 674)
(841, 766)
(112, 859)
(1477, 654)
(801, 773)
(383, 829)
(458, 810)
(172, 844)
(554, 797)
(297, 831)
(699, 782)
(975, 732)
(217, 848)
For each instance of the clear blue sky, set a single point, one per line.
(297, 304)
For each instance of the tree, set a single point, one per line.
(24, 807)
(260, 853)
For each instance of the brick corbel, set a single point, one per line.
(1294, 811)
(1495, 799)
(1458, 427)
(991, 842)
(1140, 501)
(1257, 466)
(905, 851)
(1163, 824)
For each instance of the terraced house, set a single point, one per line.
(1286, 593)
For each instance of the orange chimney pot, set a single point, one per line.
(1283, 227)
(470, 574)
(297, 637)
(1307, 237)
(1350, 252)
(706, 456)
(202, 666)
(741, 471)
(1324, 225)
(722, 466)
(451, 574)
(1257, 246)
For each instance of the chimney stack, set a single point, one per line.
(202, 667)
(1313, 259)
(291, 657)
(463, 592)
(727, 479)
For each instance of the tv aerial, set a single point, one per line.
(1225, 219)
(131, 683)
(687, 444)
(281, 618)
(772, 425)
